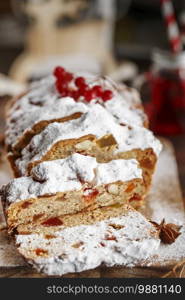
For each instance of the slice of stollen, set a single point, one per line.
(67, 186)
(127, 240)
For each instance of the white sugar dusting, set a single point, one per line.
(42, 102)
(123, 113)
(96, 121)
(67, 175)
(165, 198)
(165, 202)
(80, 248)
(26, 119)
(83, 247)
(165, 254)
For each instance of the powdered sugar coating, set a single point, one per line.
(85, 247)
(42, 102)
(26, 119)
(116, 170)
(124, 112)
(165, 192)
(97, 121)
(68, 174)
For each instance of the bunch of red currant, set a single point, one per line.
(82, 89)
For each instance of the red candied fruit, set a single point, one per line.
(110, 238)
(40, 251)
(135, 197)
(91, 195)
(26, 204)
(52, 222)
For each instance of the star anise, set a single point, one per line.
(168, 233)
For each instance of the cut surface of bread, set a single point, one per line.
(67, 186)
(85, 217)
(123, 241)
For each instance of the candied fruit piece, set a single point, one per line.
(52, 222)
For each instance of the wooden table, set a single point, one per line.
(179, 145)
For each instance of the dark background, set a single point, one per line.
(139, 28)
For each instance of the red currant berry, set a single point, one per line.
(76, 95)
(88, 95)
(97, 89)
(69, 93)
(107, 95)
(82, 89)
(59, 72)
(58, 86)
(63, 84)
(68, 77)
(79, 81)
(64, 92)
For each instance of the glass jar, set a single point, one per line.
(166, 110)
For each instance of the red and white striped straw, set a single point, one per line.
(171, 24)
